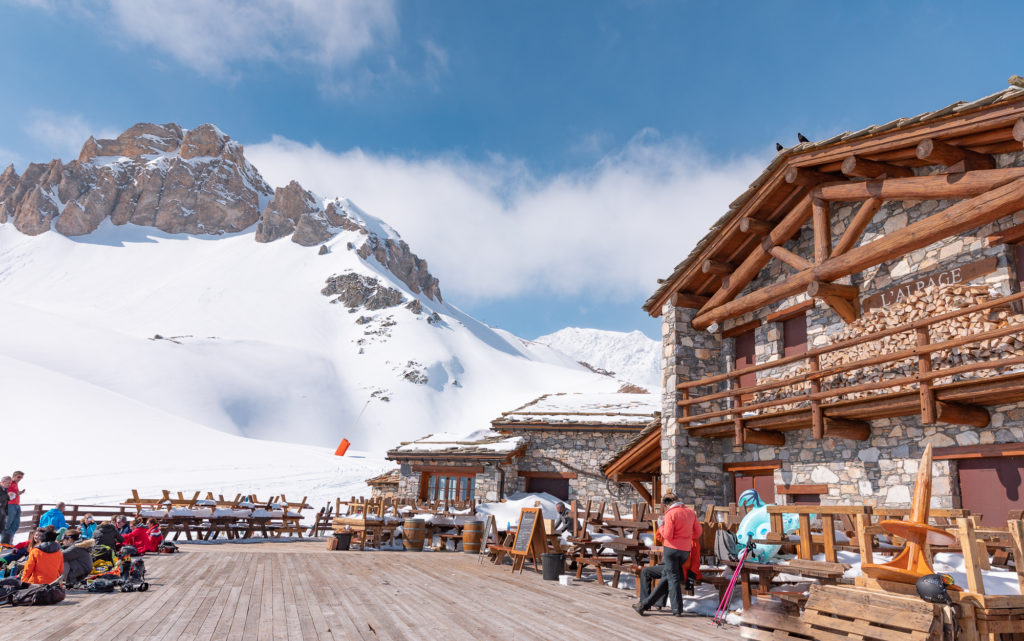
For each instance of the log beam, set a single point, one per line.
(956, 218)
(754, 226)
(962, 414)
(847, 310)
(764, 437)
(822, 217)
(716, 267)
(858, 224)
(690, 301)
(947, 155)
(778, 251)
(1009, 236)
(847, 428)
(808, 177)
(1018, 130)
(758, 258)
(642, 491)
(968, 185)
(820, 289)
(864, 168)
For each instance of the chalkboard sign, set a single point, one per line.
(530, 541)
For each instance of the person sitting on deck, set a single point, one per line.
(679, 530)
(87, 526)
(54, 516)
(154, 536)
(45, 562)
(138, 537)
(106, 534)
(122, 525)
(77, 560)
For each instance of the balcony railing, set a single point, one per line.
(820, 388)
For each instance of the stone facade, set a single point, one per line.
(877, 471)
(580, 452)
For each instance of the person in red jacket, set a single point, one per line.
(138, 537)
(153, 536)
(679, 529)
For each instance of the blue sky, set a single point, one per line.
(550, 160)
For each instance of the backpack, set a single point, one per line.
(102, 585)
(43, 594)
(726, 546)
(102, 552)
(129, 550)
(167, 547)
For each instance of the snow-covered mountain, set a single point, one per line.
(132, 293)
(629, 356)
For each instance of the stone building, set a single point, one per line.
(384, 486)
(803, 336)
(556, 444)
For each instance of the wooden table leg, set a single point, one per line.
(745, 588)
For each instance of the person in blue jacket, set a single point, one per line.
(54, 517)
(87, 526)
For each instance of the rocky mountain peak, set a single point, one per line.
(190, 181)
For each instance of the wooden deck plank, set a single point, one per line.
(299, 591)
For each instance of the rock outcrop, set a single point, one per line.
(194, 181)
(354, 291)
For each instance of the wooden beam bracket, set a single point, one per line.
(864, 168)
(957, 159)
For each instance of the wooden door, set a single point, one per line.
(992, 487)
(745, 357)
(761, 480)
(554, 487)
(794, 335)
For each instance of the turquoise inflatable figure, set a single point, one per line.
(757, 524)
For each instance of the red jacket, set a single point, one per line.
(139, 537)
(680, 528)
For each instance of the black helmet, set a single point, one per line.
(932, 588)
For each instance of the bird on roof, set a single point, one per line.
(801, 137)
(779, 147)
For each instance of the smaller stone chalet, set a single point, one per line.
(556, 444)
(384, 486)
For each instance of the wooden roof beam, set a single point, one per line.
(962, 414)
(967, 185)
(790, 258)
(841, 298)
(716, 267)
(858, 224)
(957, 159)
(953, 220)
(806, 177)
(754, 226)
(688, 300)
(764, 437)
(863, 168)
(847, 428)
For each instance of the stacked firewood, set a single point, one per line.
(923, 304)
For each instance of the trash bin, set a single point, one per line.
(344, 540)
(554, 566)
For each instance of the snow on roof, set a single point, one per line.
(587, 409)
(387, 478)
(477, 442)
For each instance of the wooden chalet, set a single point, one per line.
(860, 300)
(554, 444)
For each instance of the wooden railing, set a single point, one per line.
(814, 395)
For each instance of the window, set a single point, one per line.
(794, 335)
(442, 486)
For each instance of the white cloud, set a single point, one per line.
(63, 134)
(211, 37)
(493, 230)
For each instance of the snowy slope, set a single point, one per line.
(631, 356)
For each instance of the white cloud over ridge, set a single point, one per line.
(64, 134)
(493, 230)
(211, 37)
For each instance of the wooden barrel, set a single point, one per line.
(413, 531)
(472, 536)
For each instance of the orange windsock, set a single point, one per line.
(342, 447)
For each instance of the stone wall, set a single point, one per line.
(487, 484)
(880, 470)
(581, 452)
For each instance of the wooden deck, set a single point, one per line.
(300, 591)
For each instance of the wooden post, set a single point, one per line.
(805, 548)
(860, 221)
(817, 416)
(828, 529)
(924, 366)
(1016, 529)
(965, 527)
(686, 397)
(822, 230)
(861, 522)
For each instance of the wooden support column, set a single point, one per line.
(947, 155)
(965, 530)
(847, 428)
(961, 414)
(858, 224)
(716, 267)
(822, 230)
(924, 366)
(737, 421)
(1016, 529)
(817, 416)
(861, 523)
(828, 531)
(642, 491)
(778, 251)
(956, 218)
(864, 168)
